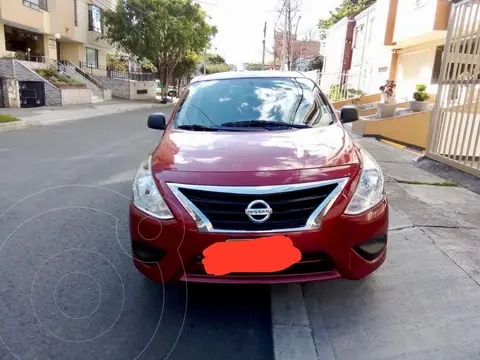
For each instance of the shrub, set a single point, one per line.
(19, 55)
(421, 94)
(57, 78)
(339, 93)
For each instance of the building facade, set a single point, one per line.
(392, 39)
(300, 52)
(40, 30)
(419, 31)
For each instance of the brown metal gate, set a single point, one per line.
(454, 137)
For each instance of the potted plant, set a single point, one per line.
(420, 97)
(387, 107)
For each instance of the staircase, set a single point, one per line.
(72, 70)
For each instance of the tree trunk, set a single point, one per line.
(165, 82)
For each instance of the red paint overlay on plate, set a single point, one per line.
(263, 255)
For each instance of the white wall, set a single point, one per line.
(150, 86)
(334, 48)
(370, 59)
(415, 66)
(412, 19)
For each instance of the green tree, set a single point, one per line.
(215, 59)
(347, 7)
(116, 62)
(253, 67)
(216, 68)
(316, 63)
(161, 31)
(186, 66)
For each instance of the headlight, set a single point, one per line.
(370, 188)
(146, 196)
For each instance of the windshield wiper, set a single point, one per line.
(196, 127)
(264, 123)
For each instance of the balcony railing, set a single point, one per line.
(36, 4)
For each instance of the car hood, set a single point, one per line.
(297, 149)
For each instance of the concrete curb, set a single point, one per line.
(291, 328)
(27, 124)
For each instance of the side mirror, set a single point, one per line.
(156, 121)
(349, 114)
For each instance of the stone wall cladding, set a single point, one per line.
(53, 96)
(76, 96)
(6, 68)
(120, 88)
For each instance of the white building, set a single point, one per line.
(371, 60)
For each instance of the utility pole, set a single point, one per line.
(264, 40)
(205, 62)
(285, 29)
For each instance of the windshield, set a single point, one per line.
(288, 100)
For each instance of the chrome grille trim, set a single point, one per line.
(205, 226)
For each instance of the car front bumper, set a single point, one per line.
(170, 251)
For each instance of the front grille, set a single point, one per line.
(290, 209)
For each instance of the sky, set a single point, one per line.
(240, 25)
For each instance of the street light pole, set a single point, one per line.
(284, 40)
(264, 40)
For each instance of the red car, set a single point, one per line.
(255, 180)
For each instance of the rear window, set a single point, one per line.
(292, 100)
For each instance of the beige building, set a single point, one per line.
(55, 29)
(416, 33)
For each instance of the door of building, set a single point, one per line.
(32, 94)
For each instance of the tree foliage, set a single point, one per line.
(316, 63)
(161, 31)
(254, 67)
(116, 62)
(215, 59)
(346, 8)
(216, 68)
(186, 66)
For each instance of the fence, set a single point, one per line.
(103, 71)
(342, 86)
(454, 137)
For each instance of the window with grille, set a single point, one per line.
(95, 19)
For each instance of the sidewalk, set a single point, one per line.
(423, 303)
(41, 116)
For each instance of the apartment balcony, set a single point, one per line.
(27, 14)
(419, 21)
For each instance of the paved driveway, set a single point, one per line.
(68, 288)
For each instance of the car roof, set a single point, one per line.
(248, 75)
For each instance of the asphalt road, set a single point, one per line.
(68, 288)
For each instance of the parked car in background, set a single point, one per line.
(252, 158)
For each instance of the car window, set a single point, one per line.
(292, 100)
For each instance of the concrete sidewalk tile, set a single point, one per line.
(397, 220)
(460, 245)
(408, 172)
(408, 241)
(293, 343)
(288, 306)
(416, 211)
(459, 204)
